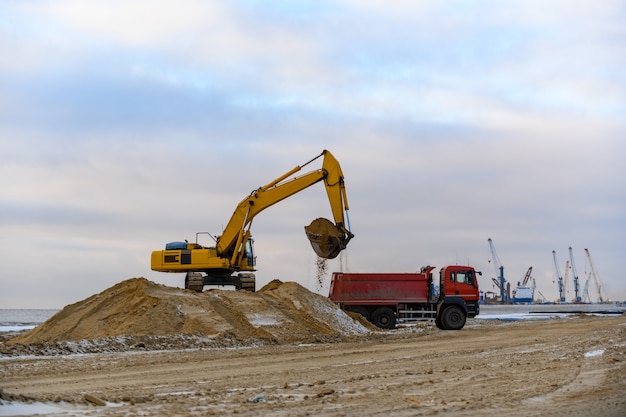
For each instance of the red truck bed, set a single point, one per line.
(378, 288)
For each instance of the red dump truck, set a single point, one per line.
(388, 298)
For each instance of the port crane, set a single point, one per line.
(524, 292)
(559, 278)
(500, 282)
(578, 298)
(586, 298)
(566, 278)
(527, 277)
(594, 275)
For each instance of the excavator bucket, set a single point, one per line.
(326, 239)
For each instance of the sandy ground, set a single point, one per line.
(558, 367)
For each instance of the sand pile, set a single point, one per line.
(278, 313)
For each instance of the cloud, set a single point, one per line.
(127, 125)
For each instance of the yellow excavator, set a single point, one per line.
(231, 261)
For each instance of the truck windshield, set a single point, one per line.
(463, 277)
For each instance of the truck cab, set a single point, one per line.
(459, 295)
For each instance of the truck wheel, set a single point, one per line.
(439, 324)
(362, 311)
(453, 318)
(384, 318)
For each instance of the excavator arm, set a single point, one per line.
(231, 242)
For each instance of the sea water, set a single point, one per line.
(14, 320)
(546, 311)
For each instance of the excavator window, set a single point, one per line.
(249, 253)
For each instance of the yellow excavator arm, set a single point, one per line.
(237, 229)
(233, 248)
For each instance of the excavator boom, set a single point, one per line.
(282, 188)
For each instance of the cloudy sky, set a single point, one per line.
(128, 124)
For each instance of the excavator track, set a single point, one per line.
(248, 282)
(194, 281)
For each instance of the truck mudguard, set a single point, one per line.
(470, 308)
(451, 299)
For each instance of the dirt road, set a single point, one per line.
(574, 367)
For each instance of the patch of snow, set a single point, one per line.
(344, 323)
(17, 408)
(259, 320)
(521, 316)
(594, 353)
(173, 393)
